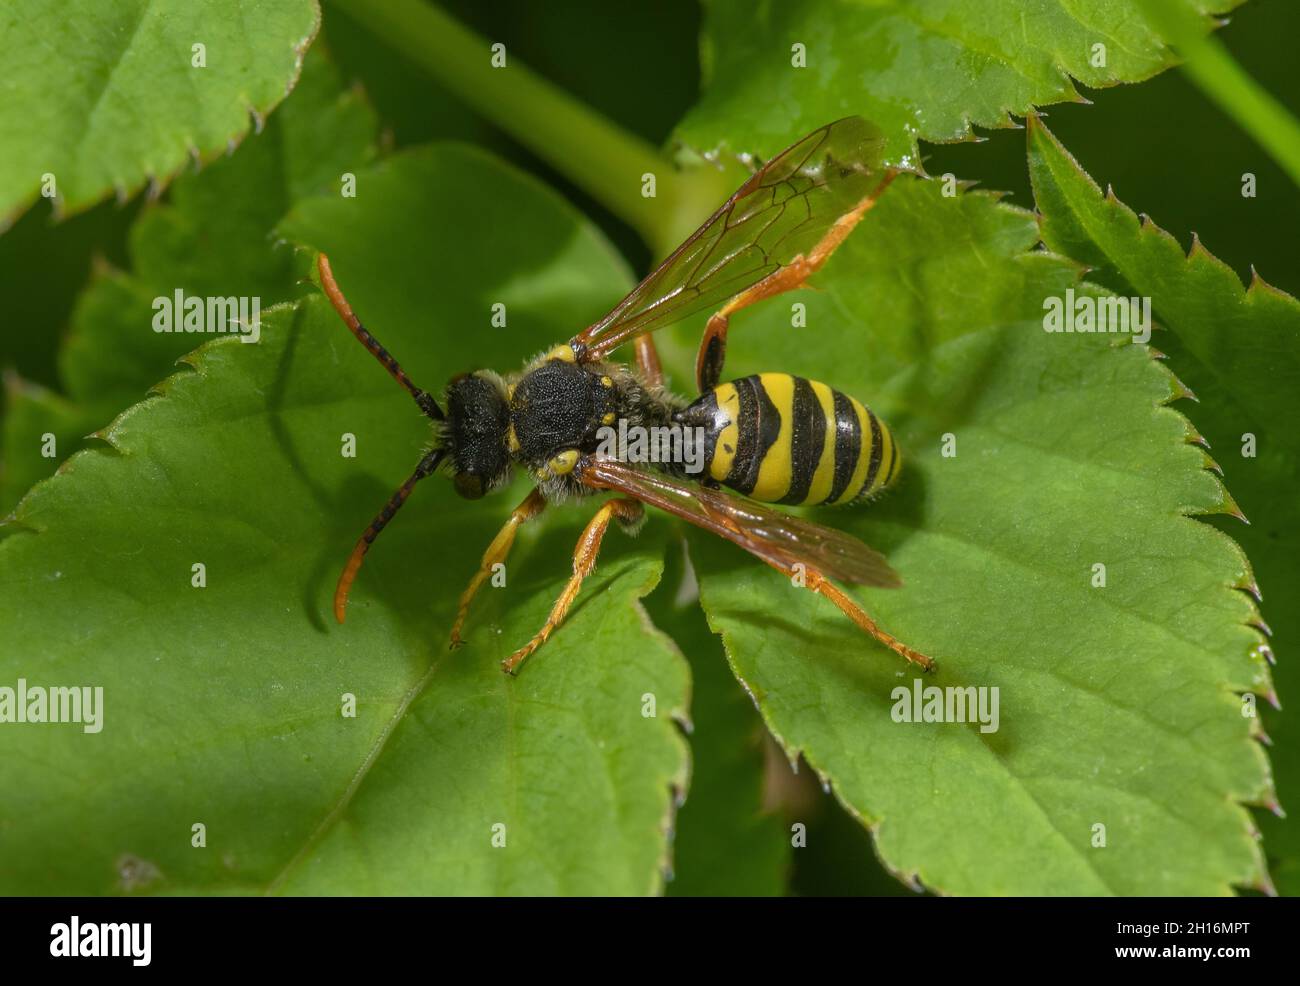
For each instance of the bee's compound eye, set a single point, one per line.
(468, 485)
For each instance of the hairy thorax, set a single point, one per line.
(559, 408)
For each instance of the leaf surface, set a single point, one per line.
(225, 705)
(1238, 349)
(919, 69)
(727, 842)
(211, 238)
(1116, 703)
(105, 97)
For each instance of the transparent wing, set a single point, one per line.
(777, 538)
(782, 211)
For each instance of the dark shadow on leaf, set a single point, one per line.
(315, 597)
(275, 407)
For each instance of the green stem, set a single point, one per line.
(1218, 75)
(594, 153)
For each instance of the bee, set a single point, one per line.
(772, 438)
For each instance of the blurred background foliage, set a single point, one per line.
(1162, 145)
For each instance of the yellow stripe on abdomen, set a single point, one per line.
(823, 479)
(724, 452)
(774, 470)
(783, 439)
(888, 462)
(859, 478)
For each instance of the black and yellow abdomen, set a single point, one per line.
(783, 439)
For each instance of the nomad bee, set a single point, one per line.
(772, 438)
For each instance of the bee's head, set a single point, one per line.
(475, 433)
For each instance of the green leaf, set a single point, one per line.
(210, 239)
(213, 237)
(222, 704)
(380, 248)
(839, 859)
(43, 267)
(726, 843)
(1116, 703)
(40, 430)
(77, 77)
(1238, 349)
(927, 69)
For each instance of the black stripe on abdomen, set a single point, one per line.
(758, 423)
(848, 445)
(877, 449)
(809, 423)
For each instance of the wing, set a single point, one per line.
(777, 538)
(782, 211)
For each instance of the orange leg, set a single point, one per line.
(818, 583)
(713, 346)
(647, 360)
(629, 513)
(496, 553)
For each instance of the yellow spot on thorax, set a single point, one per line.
(563, 463)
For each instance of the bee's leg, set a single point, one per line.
(818, 583)
(497, 551)
(630, 513)
(647, 360)
(713, 346)
(713, 351)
